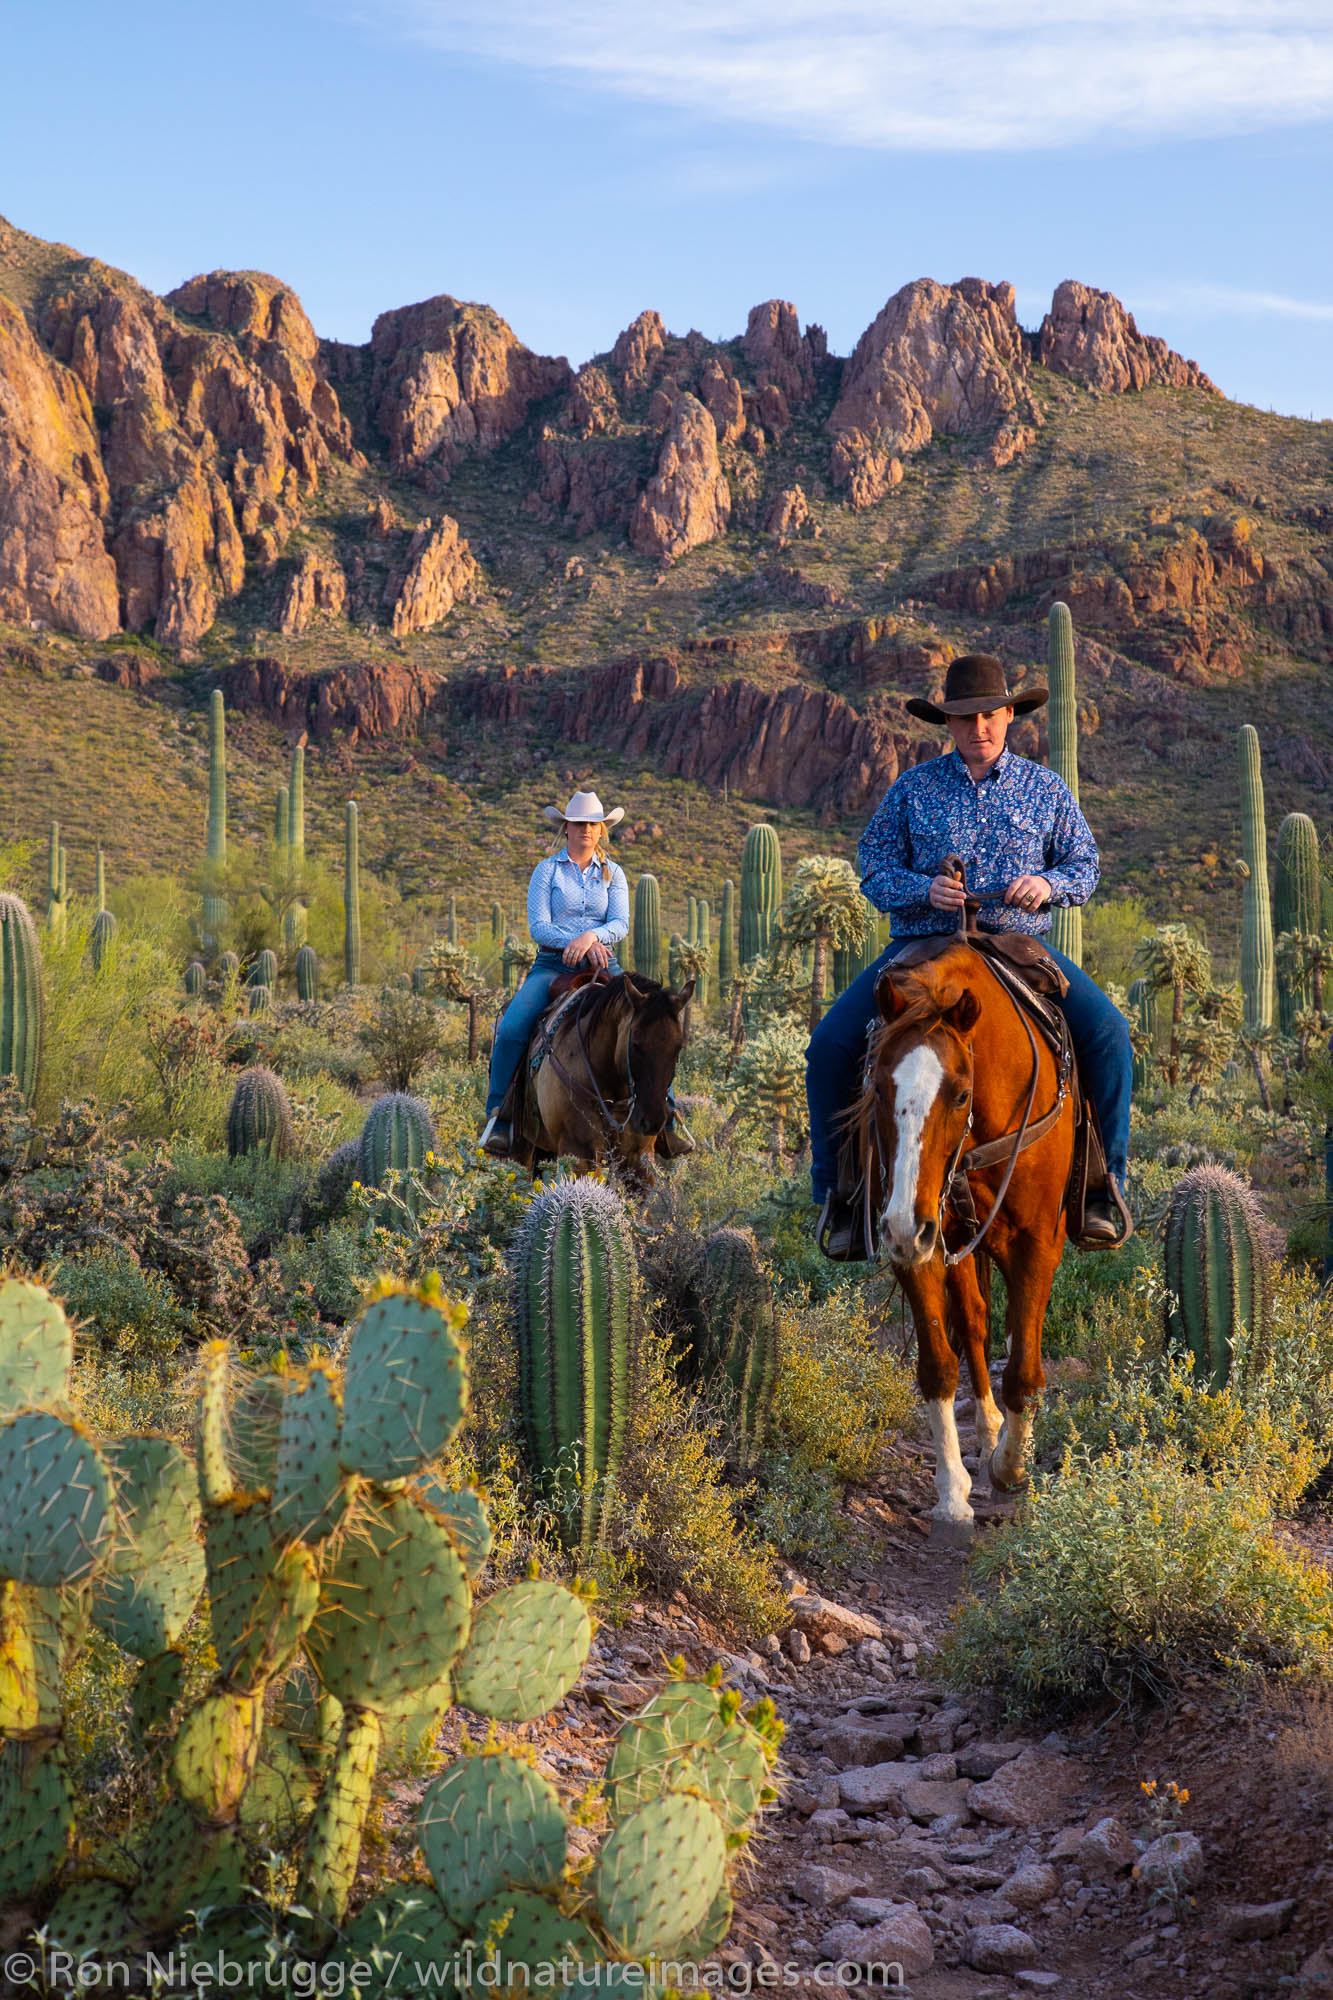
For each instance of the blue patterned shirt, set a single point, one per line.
(1020, 820)
(565, 900)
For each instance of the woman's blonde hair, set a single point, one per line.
(600, 852)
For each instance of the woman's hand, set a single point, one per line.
(587, 948)
(1029, 892)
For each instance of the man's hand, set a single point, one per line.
(587, 948)
(1029, 892)
(947, 893)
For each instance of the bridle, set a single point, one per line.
(577, 1089)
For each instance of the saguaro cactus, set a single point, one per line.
(215, 908)
(104, 923)
(761, 889)
(1216, 1274)
(726, 939)
(352, 900)
(575, 1301)
(55, 893)
(703, 918)
(20, 995)
(1062, 731)
(307, 974)
(295, 923)
(647, 928)
(1296, 905)
(1143, 999)
(281, 802)
(1256, 936)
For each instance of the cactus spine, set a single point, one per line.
(1256, 935)
(1216, 1277)
(352, 900)
(307, 975)
(1296, 905)
(575, 1308)
(20, 995)
(726, 940)
(215, 908)
(761, 889)
(1062, 732)
(647, 928)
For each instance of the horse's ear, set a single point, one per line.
(680, 1001)
(636, 993)
(888, 998)
(963, 1015)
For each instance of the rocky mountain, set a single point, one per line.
(729, 559)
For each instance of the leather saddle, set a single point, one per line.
(1033, 980)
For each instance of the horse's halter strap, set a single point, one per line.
(577, 1090)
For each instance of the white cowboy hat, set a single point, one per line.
(585, 806)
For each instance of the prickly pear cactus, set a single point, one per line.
(259, 1119)
(36, 1346)
(145, 1594)
(658, 1873)
(528, 1646)
(487, 1824)
(310, 1493)
(405, 1385)
(57, 1523)
(693, 1737)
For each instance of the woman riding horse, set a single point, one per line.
(578, 912)
(1019, 829)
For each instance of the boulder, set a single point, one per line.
(865, 1739)
(1243, 1922)
(925, 1800)
(983, 1760)
(1031, 1886)
(824, 1888)
(1030, 1791)
(1105, 1851)
(1174, 1861)
(998, 1948)
(902, 1938)
(874, 1787)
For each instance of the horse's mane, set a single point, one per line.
(605, 1000)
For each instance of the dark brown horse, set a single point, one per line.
(601, 1092)
(959, 1090)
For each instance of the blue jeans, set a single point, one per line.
(514, 1029)
(1097, 1028)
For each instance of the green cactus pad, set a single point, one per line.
(311, 1719)
(282, 1790)
(254, 1427)
(90, 1919)
(532, 1937)
(215, 1753)
(56, 1523)
(19, 1707)
(216, 1480)
(144, 1597)
(658, 1873)
(36, 1818)
(487, 1824)
(680, 1741)
(58, 1622)
(394, 1605)
(184, 1866)
(158, 1691)
(404, 1389)
(309, 1492)
(36, 1346)
(401, 1928)
(333, 1845)
(528, 1645)
(262, 1598)
(712, 1932)
(464, 1512)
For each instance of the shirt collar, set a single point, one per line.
(997, 769)
(565, 855)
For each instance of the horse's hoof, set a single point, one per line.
(1003, 1484)
(945, 1534)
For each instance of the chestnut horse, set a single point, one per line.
(952, 1072)
(602, 1090)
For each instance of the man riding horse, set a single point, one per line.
(1022, 838)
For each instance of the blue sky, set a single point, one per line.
(573, 163)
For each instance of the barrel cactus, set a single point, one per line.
(396, 1137)
(1256, 936)
(259, 1119)
(20, 995)
(1216, 1271)
(1062, 731)
(575, 1282)
(196, 978)
(229, 966)
(733, 1344)
(647, 928)
(259, 1000)
(761, 890)
(307, 974)
(264, 971)
(352, 899)
(1296, 905)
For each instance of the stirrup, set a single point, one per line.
(838, 1232)
(1096, 1236)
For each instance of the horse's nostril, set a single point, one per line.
(925, 1238)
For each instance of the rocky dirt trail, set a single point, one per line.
(918, 1829)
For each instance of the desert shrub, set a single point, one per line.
(1126, 1573)
(839, 1394)
(400, 1036)
(131, 1311)
(262, 1193)
(1112, 927)
(93, 1041)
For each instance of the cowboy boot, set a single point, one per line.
(1107, 1222)
(497, 1137)
(839, 1232)
(674, 1139)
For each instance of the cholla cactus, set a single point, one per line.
(770, 1079)
(824, 907)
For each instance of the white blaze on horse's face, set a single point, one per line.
(908, 1238)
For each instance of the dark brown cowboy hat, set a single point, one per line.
(972, 686)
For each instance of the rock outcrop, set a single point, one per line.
(720, 393)
(438, 570)
(687, 501)
(788, 513)
(635, 352)
(446, 377)
(54, 499)
(948, 358)
(777, 353)
(1089, 336)
(316, 584)
(370, 699)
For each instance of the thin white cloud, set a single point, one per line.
(1236, 302)
(918, 75)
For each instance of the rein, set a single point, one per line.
(577, 1090)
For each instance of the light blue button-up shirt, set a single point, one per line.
(565, 900)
